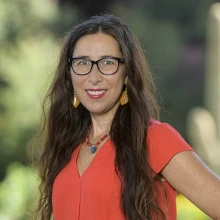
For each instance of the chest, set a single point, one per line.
(92, 189)
(84, 159)
(94, 165)
(90, 174)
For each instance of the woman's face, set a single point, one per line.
(97, 92)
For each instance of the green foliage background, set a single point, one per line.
(29, 42)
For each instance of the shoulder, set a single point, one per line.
(162, 131)
(163, 142)
(157, 126)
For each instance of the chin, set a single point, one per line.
(94, 109)
(98, 108)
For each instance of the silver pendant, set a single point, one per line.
(93, 149)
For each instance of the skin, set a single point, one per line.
(96, 46)
(185, 172)
(102, 110)
(188, 174)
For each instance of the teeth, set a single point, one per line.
(95, 92)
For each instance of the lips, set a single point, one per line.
(95, 93)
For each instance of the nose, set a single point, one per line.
(95, 76)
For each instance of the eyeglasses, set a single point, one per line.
(106, 65)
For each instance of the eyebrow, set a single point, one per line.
(81, 57)
(87, 57)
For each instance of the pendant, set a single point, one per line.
(93, 149)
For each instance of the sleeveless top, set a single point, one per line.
(96, 194)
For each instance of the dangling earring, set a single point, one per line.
(124, 96)
(75, 100)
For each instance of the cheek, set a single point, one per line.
(122, 80)
(75, 81)
(72, 78)
(118, 85)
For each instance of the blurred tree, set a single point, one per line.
(27, 47)
(87, 7)
(173, 36)
(28, 30)
(17, 192)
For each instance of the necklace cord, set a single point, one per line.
(93, 147)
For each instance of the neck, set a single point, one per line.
(100, 124)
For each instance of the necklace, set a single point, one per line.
(93, 147)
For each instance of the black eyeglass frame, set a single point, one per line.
(70, 61)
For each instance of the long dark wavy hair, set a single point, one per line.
(65, 127)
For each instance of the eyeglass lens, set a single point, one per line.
(105, 65)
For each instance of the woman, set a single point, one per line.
(105, 157)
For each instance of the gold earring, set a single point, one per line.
(124, 96)
(75, 100)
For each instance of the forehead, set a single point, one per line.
(96, 45)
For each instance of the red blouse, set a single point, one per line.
(96, 194)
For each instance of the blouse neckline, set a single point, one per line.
(97, 155)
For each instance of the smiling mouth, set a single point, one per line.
(97, 92)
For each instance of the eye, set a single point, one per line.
(83, 62)
(108, 62)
